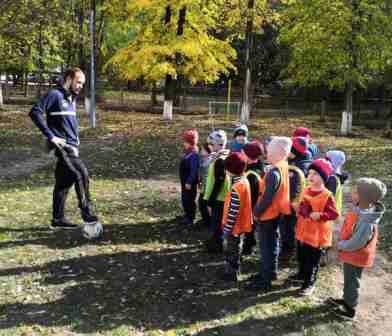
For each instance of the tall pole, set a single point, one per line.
(245, 108)
(92, 74)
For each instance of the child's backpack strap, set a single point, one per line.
(252, 172)
(339, 195)
(302, 183)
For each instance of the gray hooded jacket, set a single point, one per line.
(364, 229)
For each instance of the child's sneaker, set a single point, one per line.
(325, 258)
(286, 255)
(229, 277)
(345, 312)
(336, 302)
(259, 286)
(62, 224)
(201, 224)
(213, 247)
(296, 278)
(186, 222)
(307, 290)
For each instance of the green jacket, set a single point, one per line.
(225, 188)
(339, 195)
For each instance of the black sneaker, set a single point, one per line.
(229, 277)
(345, 312)
(201, 223)
(89, 218)
(325, 259)
(62, 224)
(259, 286)
(259, 278)
(337, 302)
(286, 256)
(186, 222)
(247, 251)
(213, 247)
(255, 277)
(296, 278)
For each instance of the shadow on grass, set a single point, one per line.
(148, 290)
(290, 324)
(137, 286)
(167, 231)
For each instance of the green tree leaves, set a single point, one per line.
(336, 41)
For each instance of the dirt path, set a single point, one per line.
(375, 309)
(25, 167)
(15, 167)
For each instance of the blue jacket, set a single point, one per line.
(61, 120)
(189, 169)
(314, 151)
(302, 162)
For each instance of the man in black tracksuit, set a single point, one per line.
(61, 129)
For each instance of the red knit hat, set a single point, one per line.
(253, 150)
(300, 146)
(302, 132)
(235, 163)
(191, 136)
(323, 167)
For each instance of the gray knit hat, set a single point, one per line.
(218, 137)
(241, 130)
(371, 189)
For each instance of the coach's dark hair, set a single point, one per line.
(72, 73)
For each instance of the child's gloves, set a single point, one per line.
(315, 216)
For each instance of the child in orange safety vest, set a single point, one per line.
(273, 203)
(237, 215)
(314, 228)
(358, 240)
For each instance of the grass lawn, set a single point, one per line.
(148, 276)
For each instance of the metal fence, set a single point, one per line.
(196, 100)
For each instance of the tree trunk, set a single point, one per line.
(246, 106)
(323, 110)
(1, 96)
(92, 75)
(82, 62)
(170, 85)
(388, 125)
(358, 97)
(26, 84)
(347, 120)
(347, 116)
(379, 104)
(168, 101)
(5, 88)
(154, 99)
(41, 60)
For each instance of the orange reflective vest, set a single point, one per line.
(363, 257)
(244, 220)
(315, 233)
(281, 202)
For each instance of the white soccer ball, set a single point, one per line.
(92, 230)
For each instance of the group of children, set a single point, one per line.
(285, 194)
